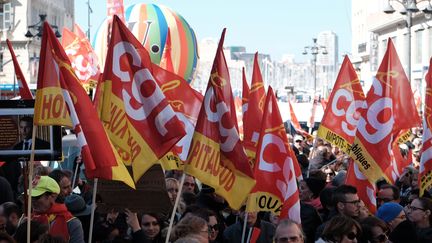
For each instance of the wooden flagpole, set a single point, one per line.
(30, 180)
(93, 207)
(175, 207)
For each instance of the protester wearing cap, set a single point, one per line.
(394, 216)
(61, 222)
(78, 207)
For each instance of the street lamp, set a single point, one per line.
(409, 8)
(315, 49)
(39, 28)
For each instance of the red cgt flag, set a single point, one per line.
(339, 123)
(388, 104)
(24, 90)
(425, 176)
(61, 100)
(245, 93)
(81, 55)
(276, 190)
(365, 190)
(253, 117)
(138, 117)
(217, 157)
(186, 102)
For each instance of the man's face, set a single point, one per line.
(251, 217)
(384, 195)
(351, 206)
(43, 203)
(290, 233)
(25, 129)
(65, 187)
(189, 184)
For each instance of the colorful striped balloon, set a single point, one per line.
(150, 24)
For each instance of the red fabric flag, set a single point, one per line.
(61, 100)
(253, 117)
(166, 60)
(388, 104)
(140, 121)
(24, 90)
(398, 163)
(425, 176)
(276, 190)
(245, 93)
(311, 121)
(186, 102)
(80, 52)
(217, 157)
(365, 190)
(339, 123)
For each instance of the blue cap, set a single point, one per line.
(389, 211)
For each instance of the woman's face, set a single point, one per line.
(305, 192)
(350, 237)
(213, 228)
(172, 189)
(378, 235)
(416, 213)
(150, 226)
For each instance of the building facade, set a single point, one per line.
(15, 18)
(371, 30)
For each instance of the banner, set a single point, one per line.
(82, 57)
(276, 190)
(186, 102)
(425, 171)
(365, 190)
(339, 123)
(24, 90)
(61, 100)
(388, 104)
(217, 157)
(137, 116)
(253, 117)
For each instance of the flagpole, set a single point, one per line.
(30, 180)
(93, 207)
(244, 226)
(175, 207)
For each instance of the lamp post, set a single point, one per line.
(38, 27)
(315, 49)
(409, 8)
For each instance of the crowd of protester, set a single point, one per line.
(331, 210)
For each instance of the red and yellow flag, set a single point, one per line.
(339, 123)
(139, 119)
(365, 190)
(388, 104)
(24, 90)
(186, 102)
(425, 176)
(217, 157)
(276, 190)
(253, 117)
(81, 55)
(61, 100)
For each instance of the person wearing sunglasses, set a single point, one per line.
(388, 193)
(374, 230)
(420, 213)
(341, 229)
(401, 230)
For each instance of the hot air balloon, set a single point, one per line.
(150, 23)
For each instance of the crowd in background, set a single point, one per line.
(331, 210)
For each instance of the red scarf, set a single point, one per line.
(57, 218)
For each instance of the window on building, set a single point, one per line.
(418, 46)
(1, 62)
(5, 16)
